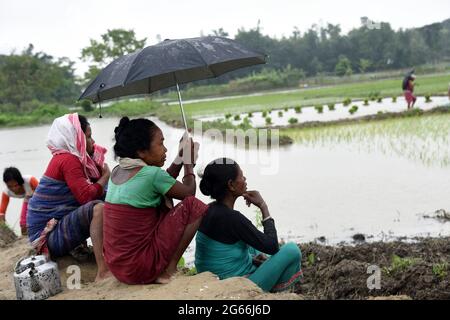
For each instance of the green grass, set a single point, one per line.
(311, 259)
(420, 138)
(440, 270)
(434, 84)
(399, 265)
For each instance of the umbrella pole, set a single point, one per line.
(182, 109)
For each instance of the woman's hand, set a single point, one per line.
(254, 197)
(188, 150)
(105, 171)
(259, 259)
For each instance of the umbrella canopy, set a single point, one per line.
(407, 78)
(168, 64)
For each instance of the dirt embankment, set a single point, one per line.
(202, 286)
(417, 271)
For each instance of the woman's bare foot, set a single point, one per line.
(103, 275)
(164, 278)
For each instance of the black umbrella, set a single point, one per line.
(170, 63)
(407, 78)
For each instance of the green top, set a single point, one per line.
(144, 190)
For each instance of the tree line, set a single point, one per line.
(30, 78)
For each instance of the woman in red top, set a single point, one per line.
(18, 186)
(409, 91)
(66, 207)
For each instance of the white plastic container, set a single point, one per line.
(36, 278)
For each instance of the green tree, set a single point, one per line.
(364, 65)
(220, 33)
(114, 44)
(343, 67)
(30, 78)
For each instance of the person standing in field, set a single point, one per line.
(408, 90)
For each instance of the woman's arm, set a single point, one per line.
(266, 241)
(185, 189)
(4, 206)
(34, 183)
(78, 183)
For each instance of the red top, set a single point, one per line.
(67, 167)
(5, 198)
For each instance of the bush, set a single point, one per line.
(394, 99)
(380, 100)
(374, 95)
(49, 111)
(428, 98)
(353, 110)
(298, 109)
(86, 105)
(293, 120)
(228, 116)
(319, 108)
(280, 114)
(366, 102)
(237, 117)
(347, 102)
(286, 109)
(250, 115)
(264, 114)
(331, 107)
(268, 120)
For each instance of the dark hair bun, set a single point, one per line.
(216, 176)
(205, 186)
(122, 125)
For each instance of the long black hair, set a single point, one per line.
(83, 123)
(12, 173)
(132, 136)
(216, 176)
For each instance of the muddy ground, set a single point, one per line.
(416, 270)
(407, 270)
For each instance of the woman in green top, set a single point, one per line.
(229, 245)
(144, 235)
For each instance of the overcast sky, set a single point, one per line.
(62, 28)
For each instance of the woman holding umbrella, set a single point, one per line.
(144, 235)
(408, 89)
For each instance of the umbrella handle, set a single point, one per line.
(182, 109)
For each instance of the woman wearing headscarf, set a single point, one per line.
(66, 208)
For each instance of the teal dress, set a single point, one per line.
(225, 246)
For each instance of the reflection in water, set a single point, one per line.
(333, 183)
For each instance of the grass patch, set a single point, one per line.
(399, 265)
(418, 136)
(434, 84)
(440, 270)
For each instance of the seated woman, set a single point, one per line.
(143, 238)
(65, 209)
(229, 245)
(21, 187)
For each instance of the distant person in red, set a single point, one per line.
(18, 186)
(408, 90)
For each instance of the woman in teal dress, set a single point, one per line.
(229, 245)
